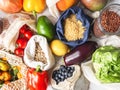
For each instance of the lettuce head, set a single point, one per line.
(106, 63)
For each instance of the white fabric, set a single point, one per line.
(52, 8)
(29, 53)
(108, 40)
(89, 73)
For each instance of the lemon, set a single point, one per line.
(59, 48)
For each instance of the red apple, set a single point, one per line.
(94, 5)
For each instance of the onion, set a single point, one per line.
(11, 6)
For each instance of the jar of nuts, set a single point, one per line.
(108, 23)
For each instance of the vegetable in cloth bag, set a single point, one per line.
(19, 69)
(37, 52)
(103, 70)
(11, 26)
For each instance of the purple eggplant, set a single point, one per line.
(80, 53)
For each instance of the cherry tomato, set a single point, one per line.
(22, 42)
(19, 52)
(28, 34)
(24, 28)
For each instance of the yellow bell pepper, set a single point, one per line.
(4, 66)
(5, 76)
(34, 5)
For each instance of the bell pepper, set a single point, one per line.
(45, 27)
(37, 80)
(34, 5)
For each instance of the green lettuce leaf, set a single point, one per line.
(106, 62)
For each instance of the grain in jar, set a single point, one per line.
(108, 22)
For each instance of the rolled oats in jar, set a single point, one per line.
(108, 22)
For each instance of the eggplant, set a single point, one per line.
(80, 53)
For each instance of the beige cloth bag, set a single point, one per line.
(45, 52)
(52, 8)
(11, 25)
(13, 60)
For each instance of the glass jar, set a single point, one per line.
(108, 23)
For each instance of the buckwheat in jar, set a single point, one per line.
(108, 22)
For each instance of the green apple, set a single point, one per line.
(94, 5)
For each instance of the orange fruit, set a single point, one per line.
(63, 5)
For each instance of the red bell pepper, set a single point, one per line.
(37, 80)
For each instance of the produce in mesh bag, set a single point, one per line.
(11, 26)
(17, 72)
(65, 77)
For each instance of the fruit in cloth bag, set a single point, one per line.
(25, 33)
(34, 5)
(37, 52)
(45, 27)
(63, 5)
(14, 22)
(37, 80)
(65, 77)
(11, 6)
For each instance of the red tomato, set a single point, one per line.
(22, 42)
(28, 34)
(23, 29)
(19, 52)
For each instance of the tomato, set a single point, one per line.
(19, 52)
(22, 42)
(23, 29)
(28, 34)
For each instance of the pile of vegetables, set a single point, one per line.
(8, 72)
(105, 59)
(25, 33)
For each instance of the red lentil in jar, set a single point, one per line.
(108, 22)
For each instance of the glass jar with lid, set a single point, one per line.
(108, 23)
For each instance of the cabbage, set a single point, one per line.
(106, 62)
